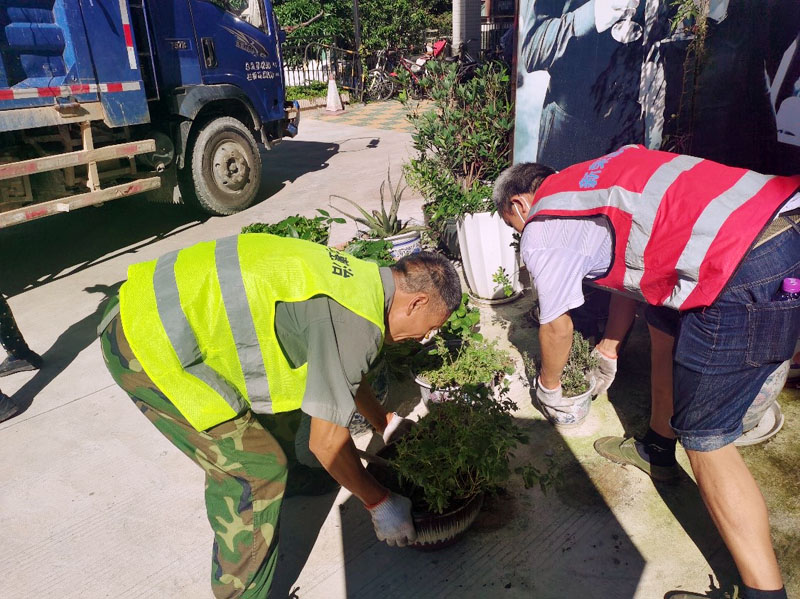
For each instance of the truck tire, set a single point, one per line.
(225, 167)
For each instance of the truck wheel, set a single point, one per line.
(225, 167)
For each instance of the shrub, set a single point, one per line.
(300, 227)
(471, 363)
(464, 143)
(460, 449)
(574, 379)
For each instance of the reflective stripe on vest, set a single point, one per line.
(234, 297)
(201, 321)
(180, 333)
(681, 224)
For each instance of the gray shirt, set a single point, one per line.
(338, 345)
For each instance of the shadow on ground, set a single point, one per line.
(69, 344)
(55, 247)
(523, 544)
(630, 398)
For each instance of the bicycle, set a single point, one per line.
(380, 85)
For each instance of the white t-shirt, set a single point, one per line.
(560, 252)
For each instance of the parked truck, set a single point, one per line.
(103, 99)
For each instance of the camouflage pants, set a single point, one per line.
(245, 470)
(10, 337)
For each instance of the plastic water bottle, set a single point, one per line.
(790, 290)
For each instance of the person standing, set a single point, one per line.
(214, 341)
(694, 236)
(19, 356)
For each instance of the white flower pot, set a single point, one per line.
(485, 242)
(404, 244)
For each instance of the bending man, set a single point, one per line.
(691, 235)
(210, 337)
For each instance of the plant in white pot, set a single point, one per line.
(577, 381)
(449, 366)
(380, 224)
(462, 145)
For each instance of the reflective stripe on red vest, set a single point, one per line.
(681, 224)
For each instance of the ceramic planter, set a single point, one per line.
(485, 242)
(767, 395)
(582, 403)
(404, 244)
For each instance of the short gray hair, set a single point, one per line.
(430, 273)
(525, 177)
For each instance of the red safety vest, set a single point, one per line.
(681, 224)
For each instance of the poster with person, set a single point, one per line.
(718, 79)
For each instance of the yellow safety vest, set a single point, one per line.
(201, 320)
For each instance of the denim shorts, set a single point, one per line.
(725, 352)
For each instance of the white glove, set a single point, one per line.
(608, 12)
(549, 397)
(397, 428)
(392, 521)
(604, 373)
(560, 410)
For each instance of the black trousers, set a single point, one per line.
(10, 337)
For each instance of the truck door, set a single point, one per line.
(238, 44)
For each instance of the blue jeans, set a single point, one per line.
(725, 352)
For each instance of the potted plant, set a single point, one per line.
(576, 379)
(314, 229)
(450, 460)
(462, 146)
(452, 365)
(380, 224)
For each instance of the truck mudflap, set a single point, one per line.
(292, 118)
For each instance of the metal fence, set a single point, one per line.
(315, 62)
(491, 34)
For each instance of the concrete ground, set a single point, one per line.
(96, 503)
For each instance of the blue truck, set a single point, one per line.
(102, 99)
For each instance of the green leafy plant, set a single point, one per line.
(462, 322)
(463, 143)
(401, 23)
(314, 229)
(380, 223)
(502, 279)
(461, 449)
(372, 250)
(469, 364)
(574, 379)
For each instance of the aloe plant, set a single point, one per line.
(382, 224)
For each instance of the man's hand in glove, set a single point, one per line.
(397, 428)
(604, 373)
(391, 518)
